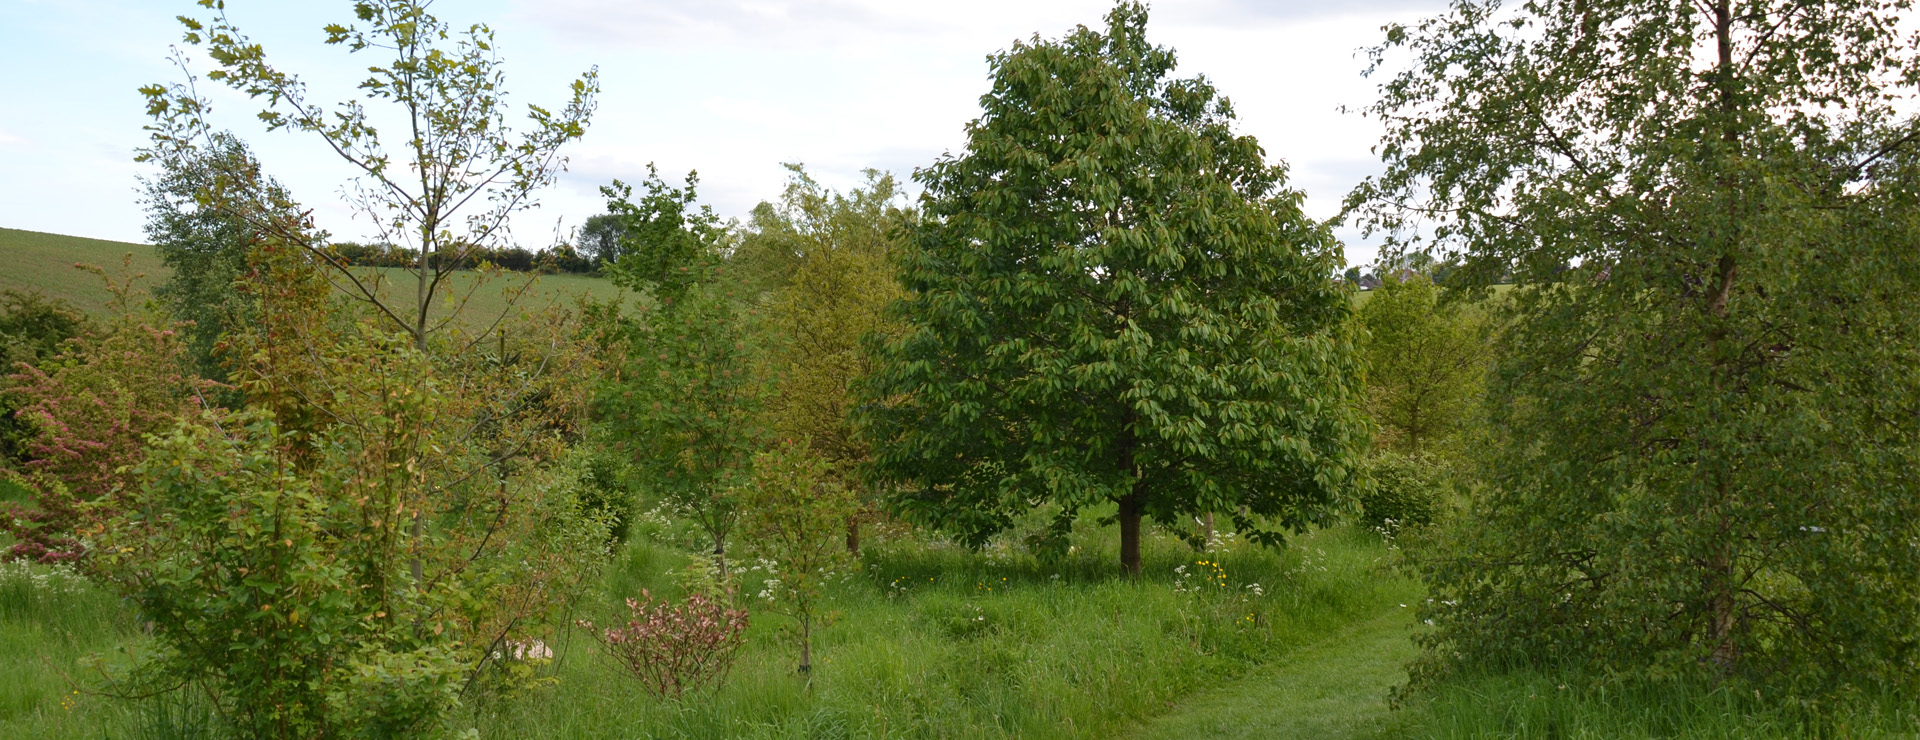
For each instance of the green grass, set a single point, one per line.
(1543, 705)
(50, 619)
(1337, 688)
(931, 641)
(45, 263)
(934, 641)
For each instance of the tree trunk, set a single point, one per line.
(1719, 579)
(853, 535)
(720, 556)
(1206, 527)
(414, 565)
(1131, 507)
(1720, 610)
(1134, 503)
(806, 647)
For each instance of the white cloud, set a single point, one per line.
(837, 23)
(7, 138)
(811, 24)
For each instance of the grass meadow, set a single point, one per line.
(928, 640)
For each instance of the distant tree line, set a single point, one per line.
(560, 258)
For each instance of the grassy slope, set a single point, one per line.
(45, 262)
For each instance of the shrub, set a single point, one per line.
(252, 574)
(673, 648)
(1407, 492)
(604, 493)
(88, 410)
(32, 329)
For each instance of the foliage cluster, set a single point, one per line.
(826, 260)
(1427, 359)
(200, 215)
(794, 514)
(1408, 491)
(89, 409)
(232, 550)
(391, 503)
(1113, 298)
(33, 328)
(1694, 468)
(684, 400)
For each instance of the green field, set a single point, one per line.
(46, 263)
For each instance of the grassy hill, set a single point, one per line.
(45, 262)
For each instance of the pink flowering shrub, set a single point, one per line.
(90, 409)
(673, 648)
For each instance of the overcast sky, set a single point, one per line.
(732, 88)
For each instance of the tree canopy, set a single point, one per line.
(685, 403)
(1114, 299)
(1708, 208)
(1426, 362)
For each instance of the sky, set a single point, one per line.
(730, 88)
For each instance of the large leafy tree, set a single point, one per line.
(1113, 299)
(1709, 444)
(600, 238)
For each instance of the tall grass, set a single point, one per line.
(928, 640)
(1545, 705)
(935, 641)
(50, 619)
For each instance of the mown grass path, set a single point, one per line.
(1329, 690)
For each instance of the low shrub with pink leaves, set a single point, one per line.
(673, 648)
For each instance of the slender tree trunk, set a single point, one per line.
(1131, 507)
(1721, 621)
(853, 535)
(1133, 504)
(421, 296)
(720, 555)
(1719, 579)
(806, 647)
(1206, 527)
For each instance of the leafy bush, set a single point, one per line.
(673, 648)
(604, 494)
(1407, 491)
(87, 411)
(252, 573)
(32, 329)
